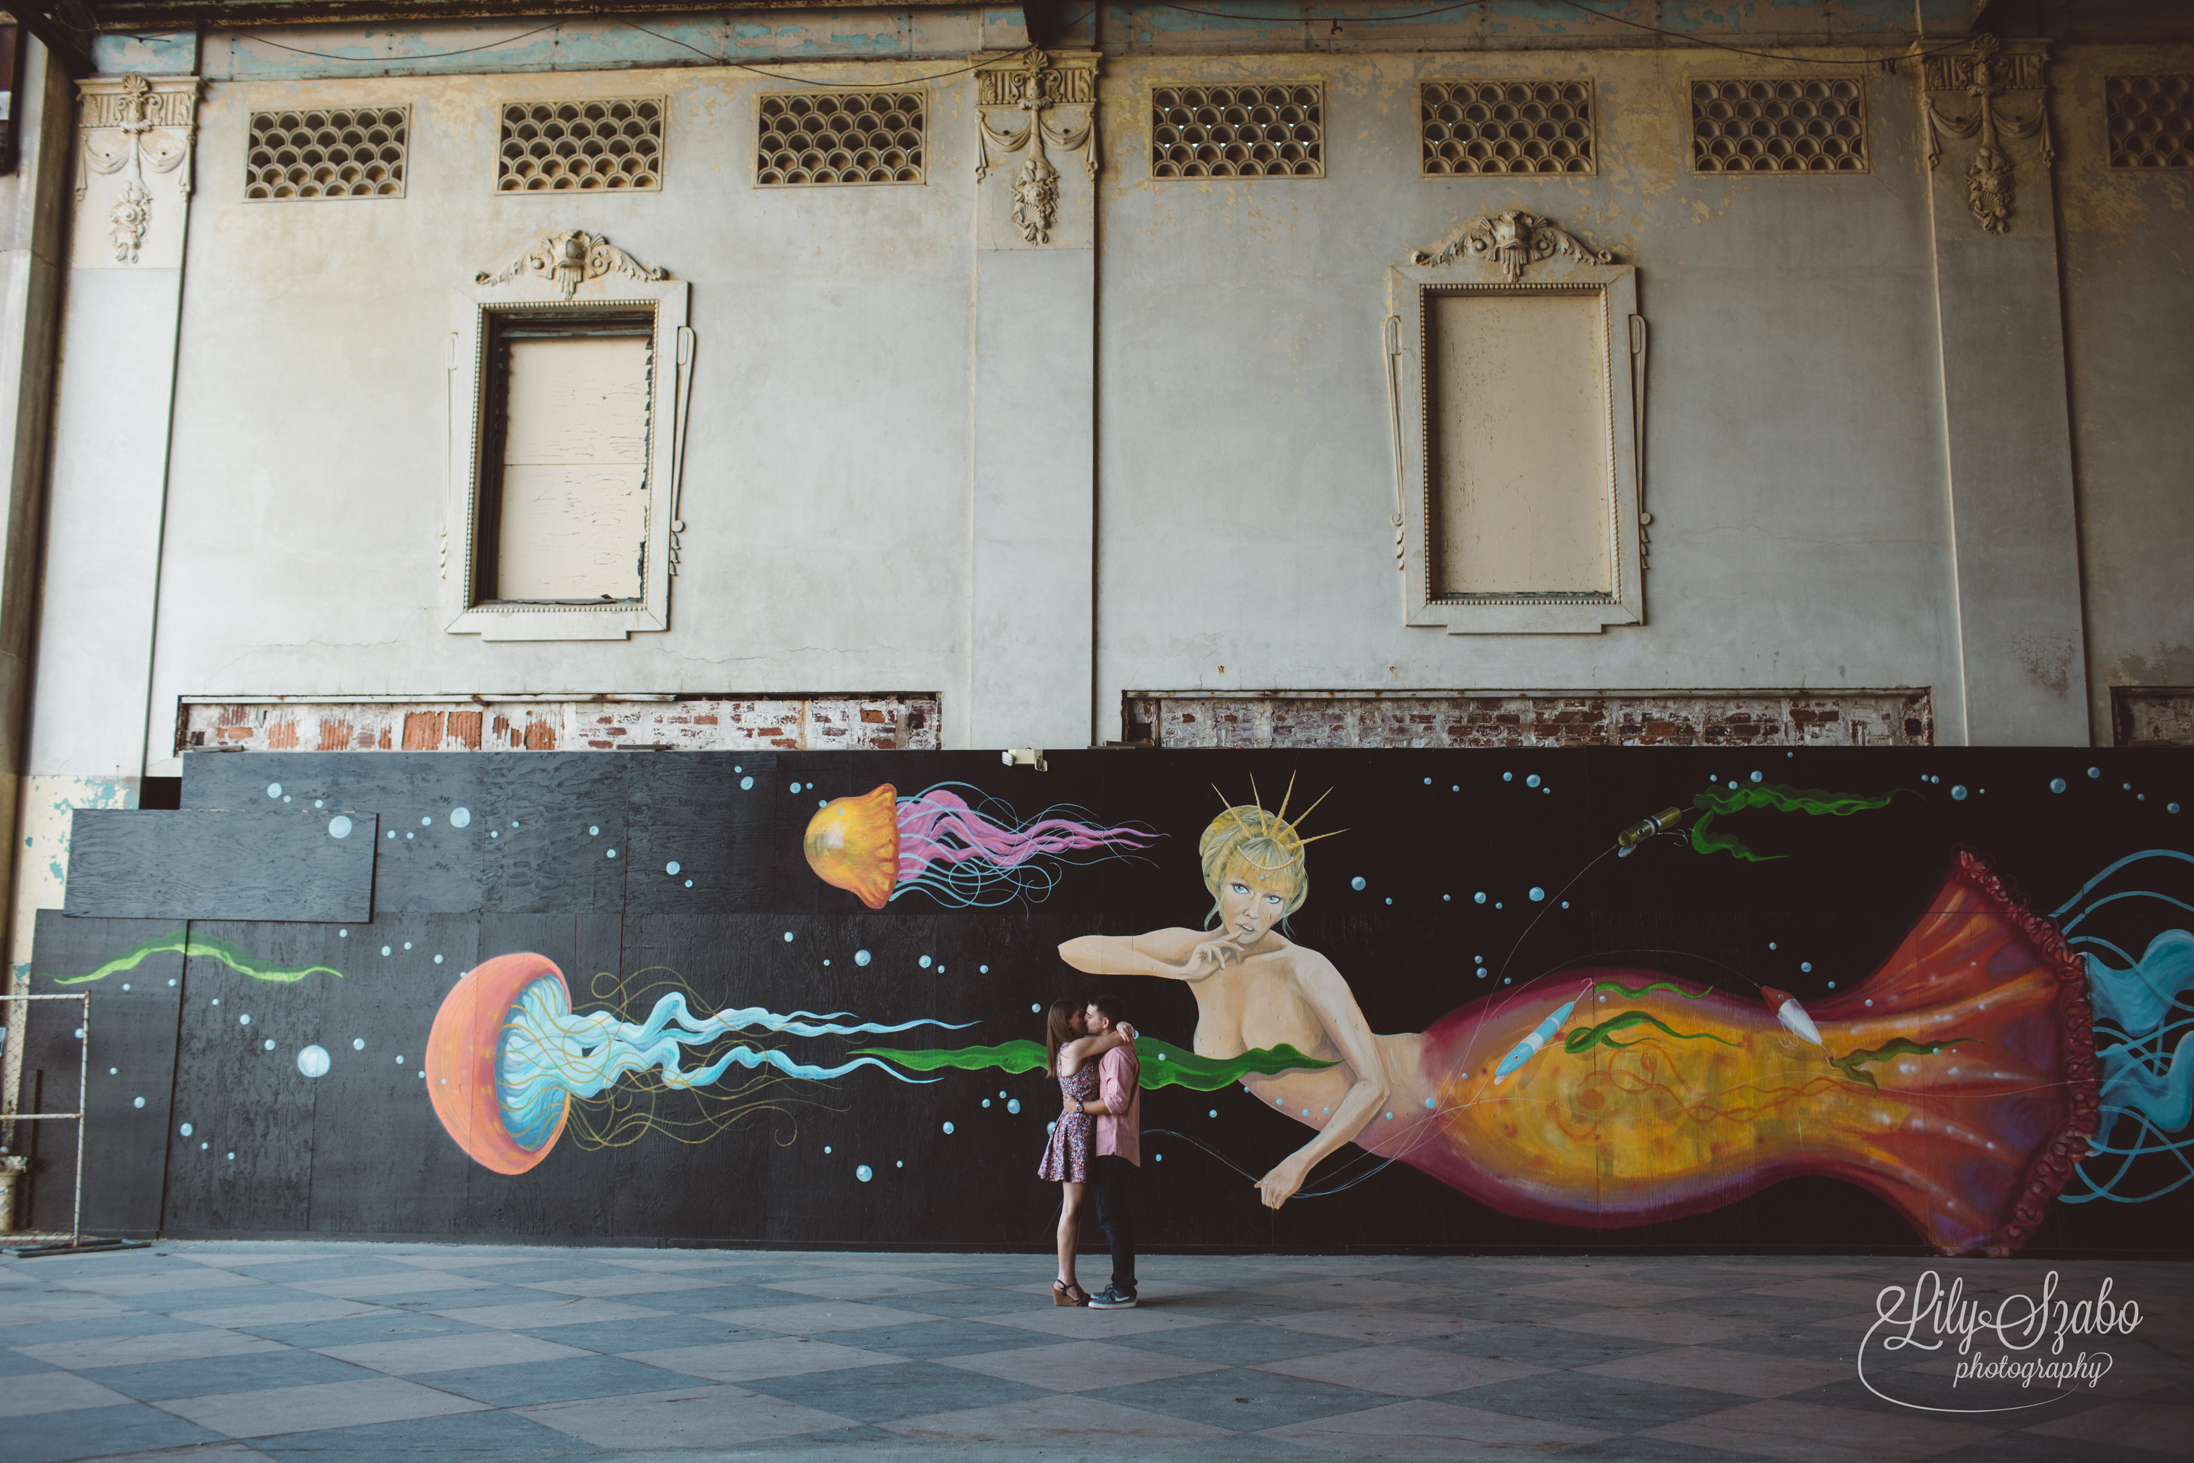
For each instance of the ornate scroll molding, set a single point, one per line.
(1986, 76)
(1035, 83)
(568, 260)
(132, 123)
(1513, 240)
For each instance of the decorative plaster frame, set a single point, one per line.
(570, 275)
(129, 122)
(1523, 269)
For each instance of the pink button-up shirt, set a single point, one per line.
(1119, 1084)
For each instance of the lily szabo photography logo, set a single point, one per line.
(1941, 1350)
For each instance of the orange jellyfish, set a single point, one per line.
(879, 845)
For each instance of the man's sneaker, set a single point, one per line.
(1112, 1298)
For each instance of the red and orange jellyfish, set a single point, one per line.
(880, 845)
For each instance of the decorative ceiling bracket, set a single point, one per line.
(1036, 83)
(568, 260)
(1512, 239)
(132, 123)
(1987, 76)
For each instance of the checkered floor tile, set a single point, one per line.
(235, 1352)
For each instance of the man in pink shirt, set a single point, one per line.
(1118, 1109)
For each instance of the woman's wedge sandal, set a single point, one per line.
(1067, 1293)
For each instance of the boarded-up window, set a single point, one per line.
(564, 508)
(1521, 497)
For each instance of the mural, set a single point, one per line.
(1824, 1003)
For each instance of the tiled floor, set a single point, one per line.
(340, 1352)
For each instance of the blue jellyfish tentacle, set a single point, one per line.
(2138, 996)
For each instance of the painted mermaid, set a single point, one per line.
(1957, 1082)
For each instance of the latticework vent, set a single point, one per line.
(1475, 127)
(839, 137)
(1767, 125)
(555, 147)
(2151, 121)
(1276, 131)
(328, 152)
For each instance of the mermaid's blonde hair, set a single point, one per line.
(1267, 842)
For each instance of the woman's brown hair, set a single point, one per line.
(1058, 1031)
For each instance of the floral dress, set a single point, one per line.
(1074, 1137)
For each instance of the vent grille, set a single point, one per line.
(1766, 125)
(1489, 127)
(1276, 131)
(2151, 121)
(577, 146)
(327, 152)
(807, 139)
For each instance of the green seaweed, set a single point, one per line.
(183, 943)
(1584, 1039)
(1850, 1062)
(1779, 796)
(1164, 1064)
(1657, 985)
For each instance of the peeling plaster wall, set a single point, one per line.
(2126, 245)
(826, 469)
(1795, 471)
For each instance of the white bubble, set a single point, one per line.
(392, 834)
(426, 822)
(274, 789)
(1014, 1105)
(342, 934)
(319, 802)
(244, 1020)
(232, 1158)
(985, 970)
(437, 960)
(826, 1148)
(613, 853)
(788, 940)
(923, 962)
(268, 1044)
(313, 1061)
(1958, 792)
(864, 1173)
(671, 867)
(745, 783)
(2057, 784)
(1215, 1112)
(204, 1146)
(986, 1102)
(1357, 882)
(399, 1061)
(1480, 896)
(114, 1071)
(948, 1127)
(594, 830)
(1755, 777)
(357, 1043)
(1537, 894)
(184, 1130)
(460, 817)
(138, 1102)
(1508, 777)
(339, 826)
(407, 944)
(1532, 780)
(689, 883)
(796, 787)
(385, 950)
(1035, 1008)
(861, 957)
(1805, 967)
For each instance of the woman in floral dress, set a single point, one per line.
(1071, 1056)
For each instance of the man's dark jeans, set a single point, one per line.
(1112, 1180)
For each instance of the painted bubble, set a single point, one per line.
(268, 1043)
(986, 1102)
(319, 802)
(2171, 807)
(923, 962)
(357, 1043)
(1532, 780)
(1957, 792)
(139, 1102)
(232, 1158)
(671, 867)
(2094, 772)
(184, 1130)
(244, 1020)
(613, 853)
(1357, 882)
(796, 787)
(594, 830)
(1508, 777)
(1480, 896)
(339, 826)
(1755, 777)
(426, 822)
(384, 949)
(1013, 1105)
(437, 960)
(274, 789)
(407, 944)
(864, 1173)
(460, 817)
(1537, 894)
(746, 784)
(689, 883)
(861, 957)
(982, 970)
(1035, 1008)
(948, 1127)
(313, 1061)
(1805, 966)
(1215, 1112)
(788, 940)
(2056, 784)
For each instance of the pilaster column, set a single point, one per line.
(2015, 530)
(1033, 490)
